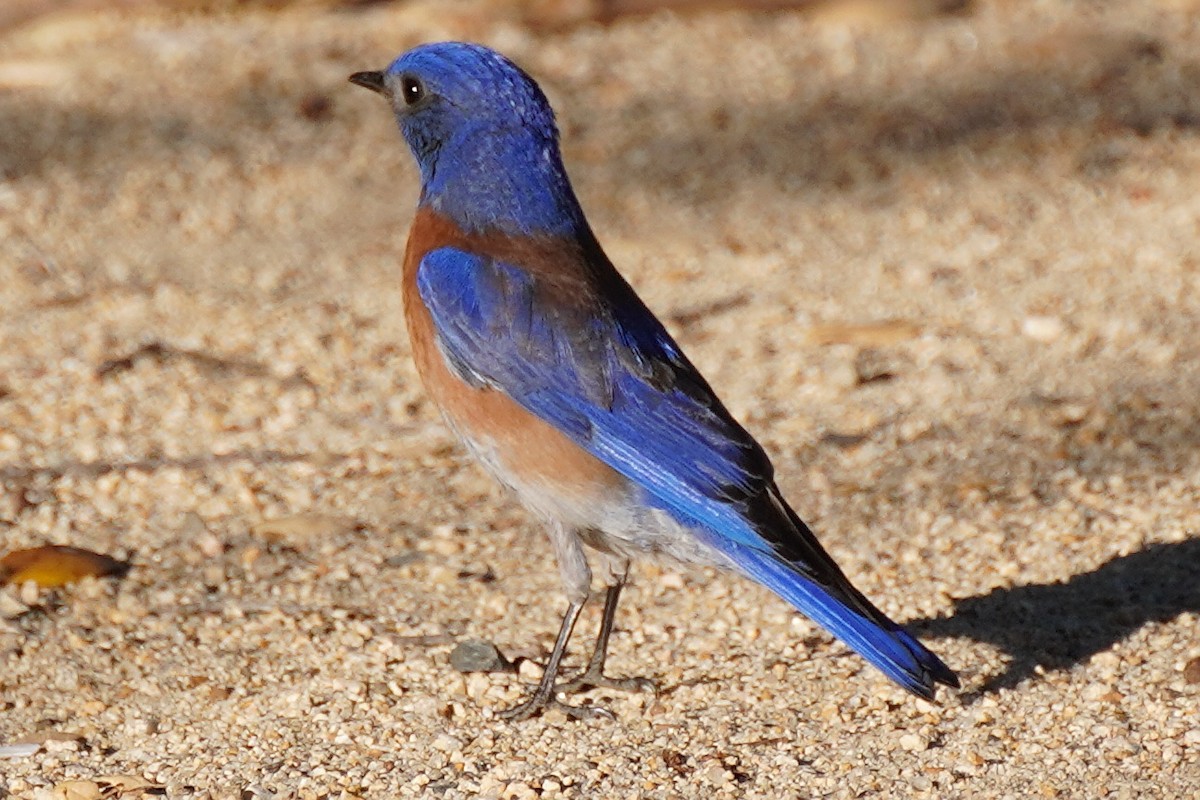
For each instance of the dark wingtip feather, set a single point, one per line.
(933, 670)
(947, 678)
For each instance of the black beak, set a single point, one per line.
(370, 80)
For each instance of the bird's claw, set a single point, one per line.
(537, 703)
(590, 679)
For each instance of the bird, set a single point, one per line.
(561, 382)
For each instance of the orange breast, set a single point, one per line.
(524, 449)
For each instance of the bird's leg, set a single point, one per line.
(593, 674)
(544, 695)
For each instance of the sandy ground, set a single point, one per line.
(947, 270)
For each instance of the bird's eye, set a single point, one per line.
(411, 90)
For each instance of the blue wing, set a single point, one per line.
(605, 373)
(585, 354)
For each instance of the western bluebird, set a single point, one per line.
(566, 387)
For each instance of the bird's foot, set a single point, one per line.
(594, 678)
(541, 701)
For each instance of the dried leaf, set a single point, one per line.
(866, 334)
(77, 790)
(303, 527)
(55, 565)
(122, 785)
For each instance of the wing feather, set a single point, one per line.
(599, 367)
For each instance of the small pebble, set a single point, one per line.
(1043, 329)
(20, 750)
(478, 655)
(11, 607)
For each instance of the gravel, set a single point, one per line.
(947, 270)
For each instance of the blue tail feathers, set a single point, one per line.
(768, 542)
(883, 643)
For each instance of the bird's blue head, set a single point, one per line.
(483, 135)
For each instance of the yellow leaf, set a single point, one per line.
(56, 565)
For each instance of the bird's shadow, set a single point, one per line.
(1056, 626)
